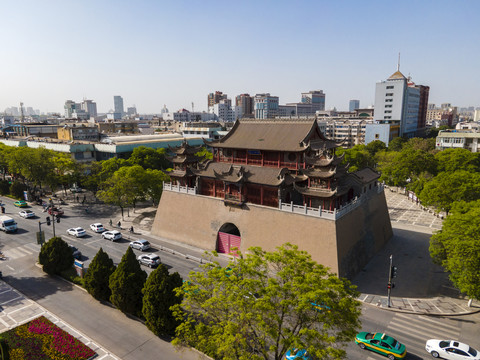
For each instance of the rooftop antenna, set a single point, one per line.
(398, 64)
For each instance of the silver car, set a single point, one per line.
(77, 232)
(150, 260)
(141, 245)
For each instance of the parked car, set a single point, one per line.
(297, 354)
(97, 227)
(53, 210)
(77, 232)
(20, 203)
(112, 235)
(140, 244)
(150, 260)
(75, 252)
(382, 344)
(27, 214)
(450, 349)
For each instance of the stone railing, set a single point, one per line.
(181, 189)
(297, 209)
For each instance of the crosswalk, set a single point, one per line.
(415, 330)
(21, 251)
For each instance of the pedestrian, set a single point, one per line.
(110, 222)
(84, 198)
(78, 199)
(119, 224)
(131, 229)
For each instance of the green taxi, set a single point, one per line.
(382, 344)
(20, 204)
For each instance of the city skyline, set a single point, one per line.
(154, 53)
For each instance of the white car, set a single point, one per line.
(150, 260)
(97, 227)
(451, 349)
(77, 232)
(112, 235)
(140, 244)
(27, 214)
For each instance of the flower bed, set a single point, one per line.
(40, 339)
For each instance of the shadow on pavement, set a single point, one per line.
(417, 275)
(37, 288)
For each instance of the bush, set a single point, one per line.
(126, 284)
(96, 279)
(55, 256)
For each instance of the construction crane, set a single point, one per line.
(22, 118)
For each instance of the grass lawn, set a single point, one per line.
(40, 339)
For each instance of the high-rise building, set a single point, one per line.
(353, 105)
(132, 110)
(245, 101)
(70, 107)
(118, 105)
(266, 106)
(400, 102)
(90, 107)
(316, 98)
(214, 98)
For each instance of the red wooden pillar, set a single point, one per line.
(261, 195)
(278, 159)
(262, 158)
(246, 157)
(214, 188)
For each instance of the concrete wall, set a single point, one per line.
(195, 220)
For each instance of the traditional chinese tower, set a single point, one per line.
(184, 161)
(271, 182)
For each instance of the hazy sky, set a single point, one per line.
(176, 52)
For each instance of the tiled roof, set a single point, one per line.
(274, 135)
(367, 175)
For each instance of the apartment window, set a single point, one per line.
(388, 111)
(388, 106)
(387, 117)
(389, 94)
(390, 87)
(388, 100)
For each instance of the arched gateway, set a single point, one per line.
(228, 239)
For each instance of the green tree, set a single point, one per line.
(457, 249)
(446, 188)
(55, 256)
(396, 144)
(263, 306)
(126, 284)
(158, 297)
(425, 145)
(358, 157)
(153, 184)
(205, 154)
(96, 279)
(400, 168)
(120, 189)
(17, 188)
(451, 160)
(375, 146)
(149, 158)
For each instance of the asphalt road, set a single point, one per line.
(125, 337)
(415, 330)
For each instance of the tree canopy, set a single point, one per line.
(98, 274)
(457, 247)
(158, 298)
(266, 303)
(55, 256)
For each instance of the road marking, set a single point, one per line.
(10, 268)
